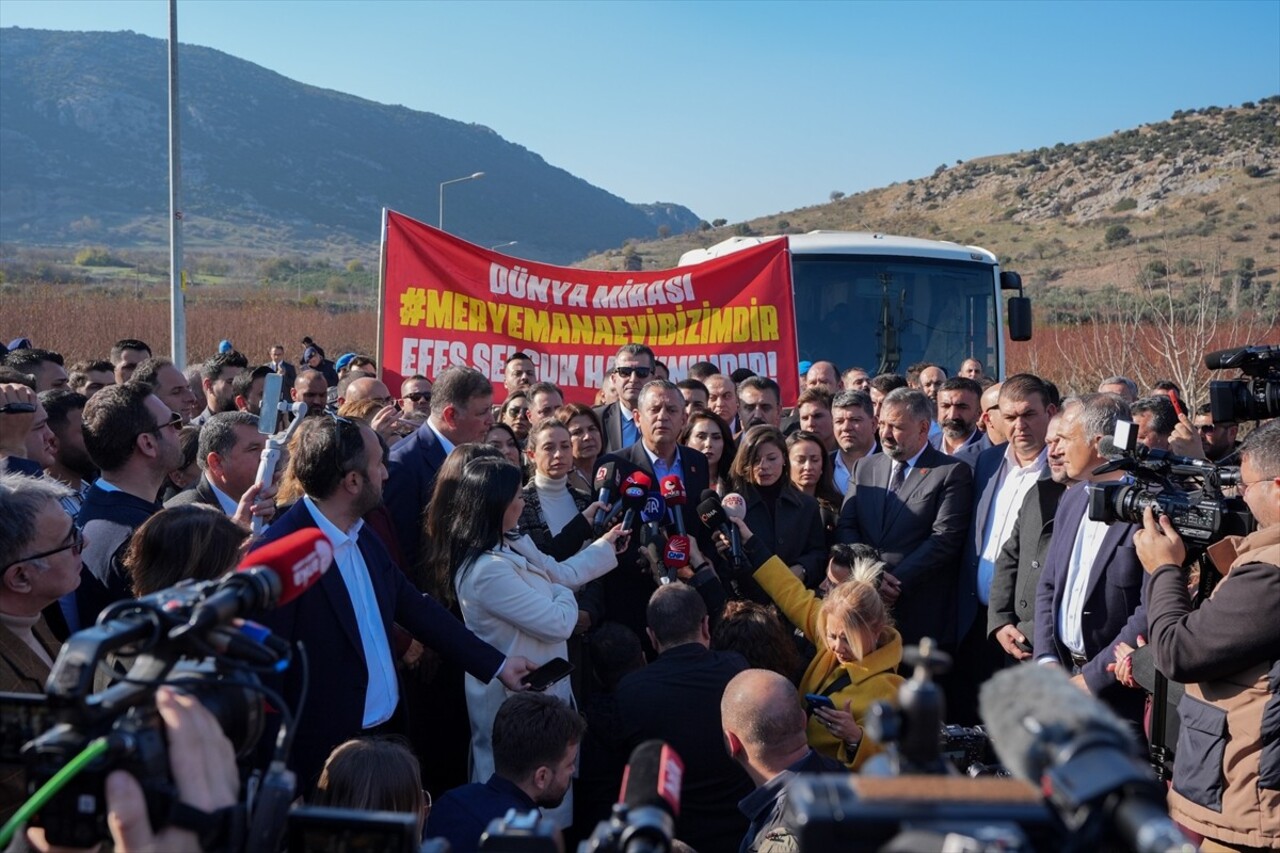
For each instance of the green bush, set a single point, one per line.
(1124, 204)
(1116, 235)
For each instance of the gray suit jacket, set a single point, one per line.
(919, 532)
(1017, 573)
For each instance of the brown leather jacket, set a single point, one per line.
(1226, 779)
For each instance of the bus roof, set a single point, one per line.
(847, 242)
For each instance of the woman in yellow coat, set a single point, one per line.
(858, 649)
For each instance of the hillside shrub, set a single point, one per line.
(1124, 204)
(1116, 235)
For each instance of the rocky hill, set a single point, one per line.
(269, 165)
(1196, 196)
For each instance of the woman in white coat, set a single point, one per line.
(511, 594)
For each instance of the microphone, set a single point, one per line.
(634, 491)
(651, 794)
(268, 577)
(711, 513)
(673, 492)
(676, 556)
(606, 482)
(1108, 447)
(1048, 732)
(735, 506)
(654, 509)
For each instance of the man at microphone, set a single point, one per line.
(1226, 779)
(344, 625)
(660, 417)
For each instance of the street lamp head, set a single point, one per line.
(478, 175)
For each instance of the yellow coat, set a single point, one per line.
(871, 679)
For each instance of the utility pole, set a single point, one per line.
(177, 309)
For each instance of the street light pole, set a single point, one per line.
(503, 245)
(444, 184)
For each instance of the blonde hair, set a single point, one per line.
(856, 606)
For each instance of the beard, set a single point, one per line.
(955, 428)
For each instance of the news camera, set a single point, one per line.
(193, 636)
(1253, 399)
(1079, 783)
(1188, 491)
(71, 738)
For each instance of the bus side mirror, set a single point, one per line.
(1010, 280)
(1019, 318)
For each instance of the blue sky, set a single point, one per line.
(740, 109)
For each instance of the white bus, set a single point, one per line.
(884, 303)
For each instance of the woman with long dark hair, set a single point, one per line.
(787, 520)
(811, 472)
(512, 595)
(706, 432)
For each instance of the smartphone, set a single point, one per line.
(816, 701)
(548, 674)
(1024, 645)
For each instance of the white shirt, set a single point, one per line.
(383, 693)
(1012, 484)
(1080, 571)
(224, 500)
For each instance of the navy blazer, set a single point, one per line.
(628, 587)
(411, 477)
(919, 533)
(985, 468)
(1113, 610)
(323, 619)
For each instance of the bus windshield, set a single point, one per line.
(884, 313)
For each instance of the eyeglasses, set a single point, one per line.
(175, 421)
(642, 372)
(418, 397)
(74, 541)
(1212, 427)
(1244, 486)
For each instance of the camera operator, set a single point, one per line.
(1226, 782)
(204, 766)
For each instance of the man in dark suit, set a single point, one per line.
(461, 411)
(229, 453)
(1011, 615)
(632, 368)
(1002, 478)
(911, 503)
(345, 623)
(660, 415)
(277, 364)
(677, 699)
(1090, 591)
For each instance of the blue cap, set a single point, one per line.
(804, 367)
(343, 360)
(225, 346)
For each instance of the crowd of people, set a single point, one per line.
(477, 540)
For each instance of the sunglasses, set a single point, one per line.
(642, 372)
(74, 541)
(418, 397)
(175, 421)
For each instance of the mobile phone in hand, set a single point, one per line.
(548, 674)
(817, 700)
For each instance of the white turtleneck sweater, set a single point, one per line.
(558, 507)
(22, 626)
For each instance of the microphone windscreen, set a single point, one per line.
(710, 512)
(641, 479)
(606, 477)
(298, 560)
(709, 493)
(653, 777)
(1028, 708)
(735, 505)
(673, 490)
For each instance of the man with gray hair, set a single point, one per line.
(1121, 386)
(1090, 588)
(230, 450)
(764, 731)
(40, 555)
(912, 503)
(461, 412)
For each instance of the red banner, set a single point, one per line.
(446, 301)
